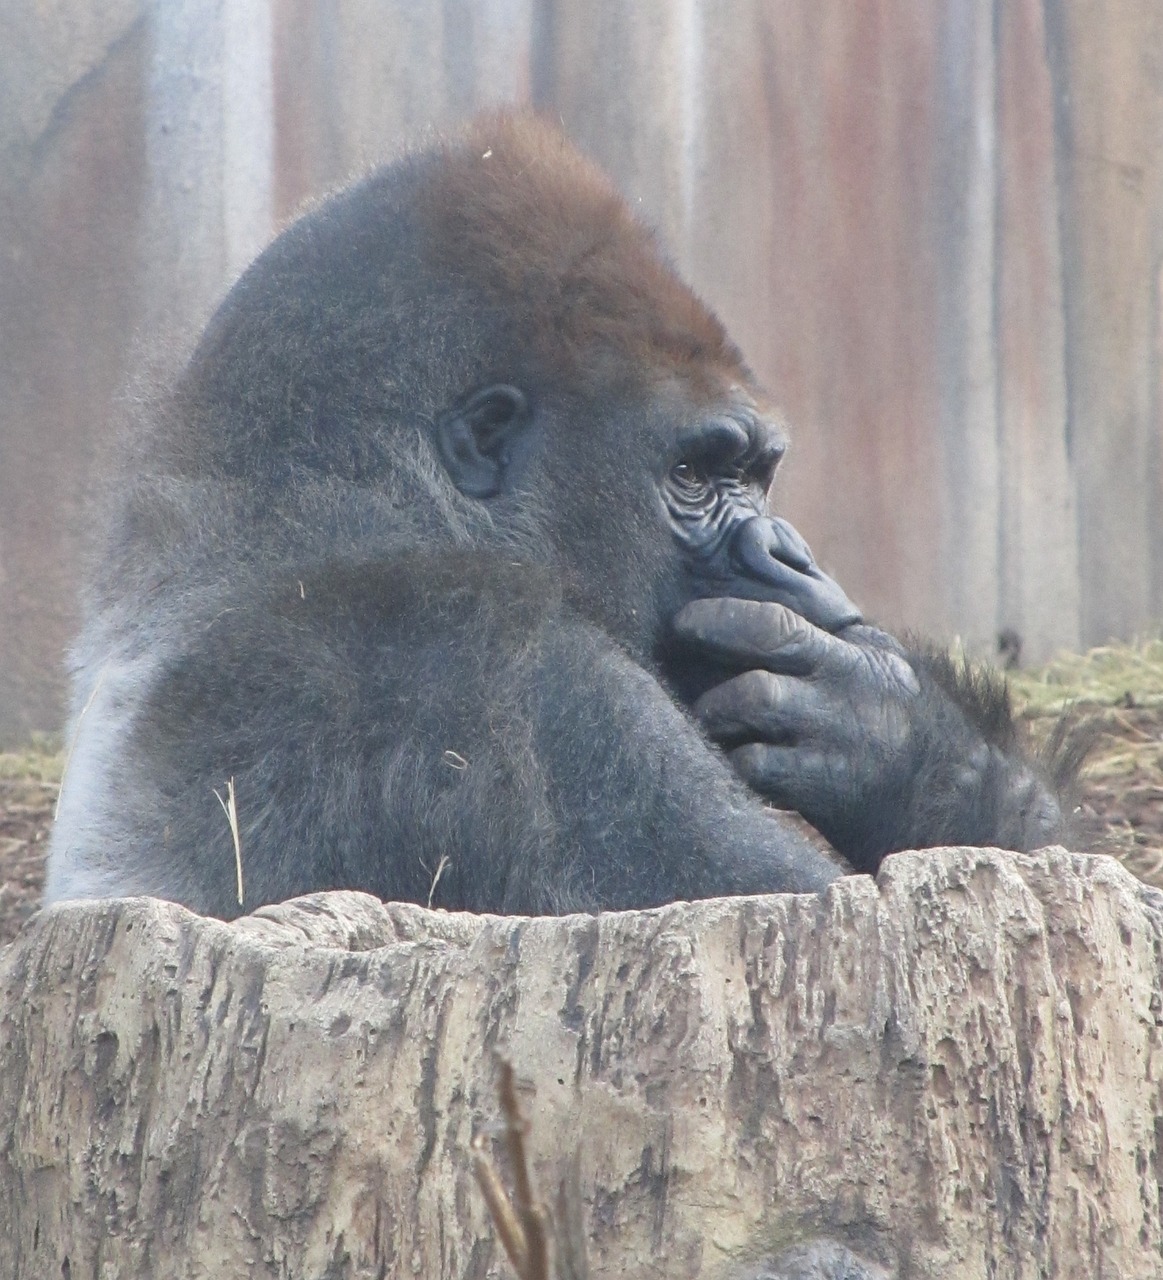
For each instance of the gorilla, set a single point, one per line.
(445, 571)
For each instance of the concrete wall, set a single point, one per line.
(936, 228)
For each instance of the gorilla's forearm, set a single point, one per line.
(964, 777)
(651, 811)
(1014, 796)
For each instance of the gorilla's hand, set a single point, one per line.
(815, 721)
(876, 746)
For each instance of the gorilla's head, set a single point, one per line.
(481, 343)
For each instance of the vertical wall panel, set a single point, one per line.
(209, 150)
(636, 113)
(1108, 58)
(966, 175)
(822, 249)
(1038, 560)
(358, 79)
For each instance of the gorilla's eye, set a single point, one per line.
(686, 473)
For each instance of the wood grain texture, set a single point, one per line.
(954, 1069)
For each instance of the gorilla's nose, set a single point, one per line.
(772, 559)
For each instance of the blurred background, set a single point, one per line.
(934, 226)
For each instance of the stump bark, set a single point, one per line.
(954, 1070)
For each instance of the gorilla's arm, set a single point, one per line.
(381, 722)
(652, 814)
(878, 746)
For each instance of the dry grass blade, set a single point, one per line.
(77, 733)
(444, 863)
(231, 810)
(500, 1210)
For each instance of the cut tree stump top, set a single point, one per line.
(954, 1069)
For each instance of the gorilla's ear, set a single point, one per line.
(476, 439)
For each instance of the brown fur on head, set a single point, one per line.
(515, 210)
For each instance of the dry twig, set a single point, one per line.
(520, 1221)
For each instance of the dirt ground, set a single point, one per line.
(1120, 803)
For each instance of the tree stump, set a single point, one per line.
(954, 1070)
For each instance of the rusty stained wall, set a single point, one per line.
(935, 229)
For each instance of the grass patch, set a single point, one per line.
(42, 760)
(1120, 688)
(1111, 676)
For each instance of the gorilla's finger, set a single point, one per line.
(754, 632)
(760, 705)
(869, 637)
(791, 777)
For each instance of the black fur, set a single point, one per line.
(398, 559)
(966, 778)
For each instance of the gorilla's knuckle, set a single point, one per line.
(754, 761)
(760, 689)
